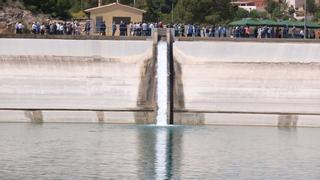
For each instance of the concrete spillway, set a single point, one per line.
(249, 83)
(218, 82)
(115, 76)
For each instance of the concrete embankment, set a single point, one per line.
(247, 83)
(56, 80)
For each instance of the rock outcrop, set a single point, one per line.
(11, 13)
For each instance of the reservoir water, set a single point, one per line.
(99, 151)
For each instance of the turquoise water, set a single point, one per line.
(96, 151)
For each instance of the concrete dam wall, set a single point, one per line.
(76, 81)
(247, 83)
(114, 81)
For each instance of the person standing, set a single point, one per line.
(87, 27)
(61, 28)
(131, 29)
(255, 32)
(151, 27)
(38, 28)
(285, 32)
(224, 32)
(19, 28)
(301, 34)
(139, 29)
(219, 31)
(34, 28)
(259, 33)
(182, 30)
(103, 28)
(114, 28)
(144, 29)
(125, 29)
(190, 30)
(42, 29)
(213, 31)
(122, 28)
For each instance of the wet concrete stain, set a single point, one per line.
(100, 116)
(288, 120)
(190, 118)
(34, 116)
(147, 93)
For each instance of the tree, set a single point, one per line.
(256, 14)
(291, 10)
(277, 12)
(317, 15)
(241, 13)
(203, 11)
(278, 9)
(271, 5)
(56, 8)
(193, 11)
(311, 6)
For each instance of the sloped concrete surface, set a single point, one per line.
(72, 74)
(250, 77)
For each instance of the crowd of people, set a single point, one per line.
(191, 30)
(145, 29)
(272, 32)
(243, 31)
(131, 29)
(55, 28)
(194, 30)
(180, 30)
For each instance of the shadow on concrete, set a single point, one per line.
(146, 94)
(183, 118)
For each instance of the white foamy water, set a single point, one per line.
(162, 85)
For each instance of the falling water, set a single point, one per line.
(162, 90)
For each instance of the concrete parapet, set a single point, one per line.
(74, 37)
(277, 40)
(233, 52)
(74, 48)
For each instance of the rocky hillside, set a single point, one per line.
(11, 13)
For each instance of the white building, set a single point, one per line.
(246, 5)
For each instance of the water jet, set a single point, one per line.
(164, 97)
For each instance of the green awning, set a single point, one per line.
(288, 23)
(300, 24)
(245, 22)
(313, 25)
(269, 22)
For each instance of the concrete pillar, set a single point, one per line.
(170, 39)
(155, 39)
